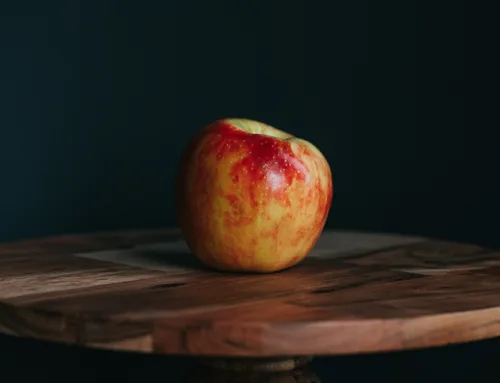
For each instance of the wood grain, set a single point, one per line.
(144, 291)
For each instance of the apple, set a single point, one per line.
(250, 197)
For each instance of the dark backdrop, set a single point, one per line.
(97, 98)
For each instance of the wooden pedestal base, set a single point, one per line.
(292, 370)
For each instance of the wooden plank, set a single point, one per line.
(430, 258)
(205, 292)
(35, 275)
(354, 293)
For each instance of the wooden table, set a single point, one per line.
(145, 292)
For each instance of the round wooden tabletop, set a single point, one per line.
(144, 291)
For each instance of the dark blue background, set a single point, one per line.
(97, 98)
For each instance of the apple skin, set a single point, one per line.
(251, 198)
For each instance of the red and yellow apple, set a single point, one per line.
(250, 197)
